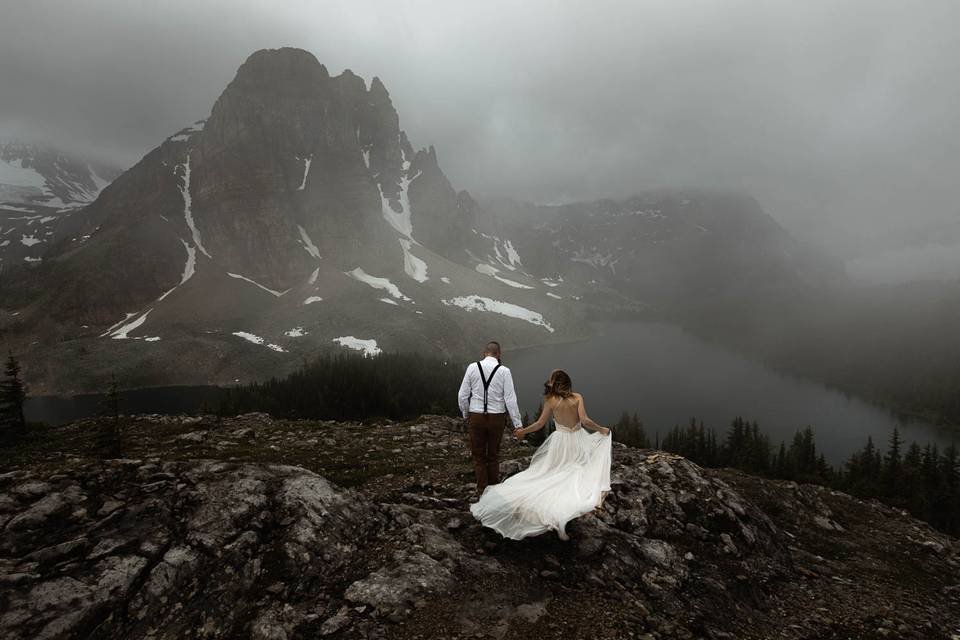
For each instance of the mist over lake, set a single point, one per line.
(668, 376)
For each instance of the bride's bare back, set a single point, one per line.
(566, 411)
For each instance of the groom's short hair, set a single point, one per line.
(493, 348)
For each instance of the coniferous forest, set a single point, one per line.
(923, 480)
(352, 387)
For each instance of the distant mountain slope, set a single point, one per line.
(41, 191)
(37, 174)
(664, 248)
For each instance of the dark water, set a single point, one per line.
(59, 410)
(668, 376)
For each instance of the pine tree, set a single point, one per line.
(13, 395)
(891, 465)
(946, 500)
(111, 433)
(780, 463)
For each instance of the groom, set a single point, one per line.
(486, 395)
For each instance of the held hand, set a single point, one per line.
(518, 433)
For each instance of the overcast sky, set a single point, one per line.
(841, 116)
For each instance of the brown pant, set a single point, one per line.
(486, 434)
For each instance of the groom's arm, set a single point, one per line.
(463, 397)
(510, 400)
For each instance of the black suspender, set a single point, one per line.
(486, 383)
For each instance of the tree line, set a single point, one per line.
(922, 480)
(349, 386)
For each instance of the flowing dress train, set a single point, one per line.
(568, 476)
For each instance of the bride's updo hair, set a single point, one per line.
(558, 385)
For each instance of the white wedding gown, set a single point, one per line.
(567, 477)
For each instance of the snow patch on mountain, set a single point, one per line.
(378, 283)
(255, 339)
(296, 332)
(481, 303)
(254, 282)
(188, 269)
(306, 171)
(504, 251)
(116, 324)
(187, 132)
(123, 332)
(15, 173)
(389, 301)
(29, 241)
(368, 347)
(412, 265)
(188, 207)
(491, 271)
(308, 244)
(400, 220)
(312, 299)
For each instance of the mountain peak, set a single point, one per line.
(378, 90)
(285, 70)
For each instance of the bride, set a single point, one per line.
(568, 476)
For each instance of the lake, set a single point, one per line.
(173, 400)
(668, 376)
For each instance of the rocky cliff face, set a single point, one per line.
(243, 528)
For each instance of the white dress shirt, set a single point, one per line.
(501, 397)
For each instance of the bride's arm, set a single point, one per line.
(536, 426)
(586, 420)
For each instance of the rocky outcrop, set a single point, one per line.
(135, 549)
(241, 528)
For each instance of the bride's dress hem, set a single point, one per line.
(568, 477)
(560, 531)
